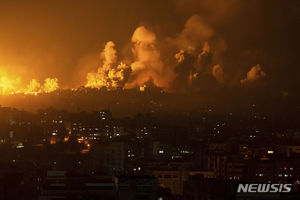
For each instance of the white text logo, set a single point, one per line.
(262, 187)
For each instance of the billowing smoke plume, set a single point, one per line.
(195, 62)
(199, 51)
(195, 68)
(194, 34)
(193, 58)
(110, 54)
(148, 65)
(218, 73)
(204, 59)
(109, 75)
(255, 73)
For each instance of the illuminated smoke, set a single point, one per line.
(199, 50)
(185, 72)
(194, 58)
(205, 51)
(195, 33)
(110, 54)
(191, 67)
(204, 58)
(180, 56)
(255, 73)
(109, 75)
(148, 65)
(218, 73)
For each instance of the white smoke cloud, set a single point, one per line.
(148, 65)
(196, 46)
(110, 54)
(109, 75)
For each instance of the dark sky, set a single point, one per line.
(62, 38)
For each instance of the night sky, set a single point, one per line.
(227, 44)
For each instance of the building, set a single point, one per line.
(61, 185)
(198, 187)
(108, 156)
(137, 188)
(174, 179)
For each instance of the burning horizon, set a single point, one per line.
(201, 47)
(193, 61)
(69, 55)
(10, 86)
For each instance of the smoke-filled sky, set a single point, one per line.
(173, 44)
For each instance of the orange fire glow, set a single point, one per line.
(110, 74)
(9, 86)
